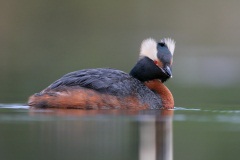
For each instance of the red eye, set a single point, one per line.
(162, 44)
(156, 62)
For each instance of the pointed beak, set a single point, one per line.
(168, 71)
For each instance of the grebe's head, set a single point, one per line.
(160, 52)
(155, 60)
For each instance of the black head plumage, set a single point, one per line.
(146, 70)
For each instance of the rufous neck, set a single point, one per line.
(165, 94)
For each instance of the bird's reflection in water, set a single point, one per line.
(154, 126)
(156, 137)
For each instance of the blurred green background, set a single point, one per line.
(42, 40)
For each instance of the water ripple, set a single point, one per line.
(14, 106)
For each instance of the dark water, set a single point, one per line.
(182, 133)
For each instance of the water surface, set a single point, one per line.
(183, 133)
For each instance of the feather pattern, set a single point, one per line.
(105, 80)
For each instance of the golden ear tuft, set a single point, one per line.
(170, 43)
(149, 49)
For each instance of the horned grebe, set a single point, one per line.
(104, 88)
